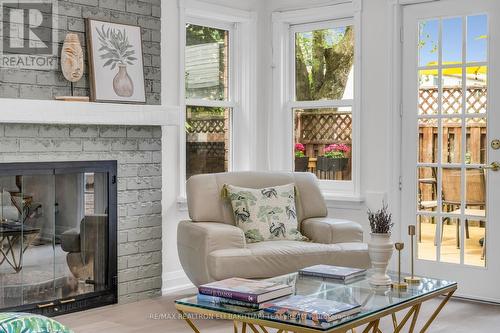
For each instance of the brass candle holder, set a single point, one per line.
(400, 285)
(412, 279)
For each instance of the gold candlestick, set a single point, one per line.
(399, 285)
(412, 279)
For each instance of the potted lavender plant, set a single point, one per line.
(380, 247)
(301, 160)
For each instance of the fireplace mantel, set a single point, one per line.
(28, 111)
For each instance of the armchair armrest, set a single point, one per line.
(331, 231)
(196, 240)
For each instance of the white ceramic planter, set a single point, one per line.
(380, 250)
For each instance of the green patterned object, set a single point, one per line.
(14, 322)
(266, 213)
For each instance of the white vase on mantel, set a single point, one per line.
(380, 250)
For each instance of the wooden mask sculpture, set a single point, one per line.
(72, 58)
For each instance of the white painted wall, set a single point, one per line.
(376, 154)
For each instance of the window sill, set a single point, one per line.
(333, 200)
(343, 201)
(342, 197)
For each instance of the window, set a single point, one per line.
(208, 97)
(322, 98)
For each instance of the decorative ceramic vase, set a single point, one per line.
(122, 83)
(380, 250)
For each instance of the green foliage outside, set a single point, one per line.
(323, 61)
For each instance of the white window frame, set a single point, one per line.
(242, 80)
(285, 24)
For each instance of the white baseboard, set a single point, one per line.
(175, 281)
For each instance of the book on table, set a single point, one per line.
(312, 308)
(333, 272)
(228, 301)
(251, 291)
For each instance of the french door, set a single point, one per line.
(451, 118)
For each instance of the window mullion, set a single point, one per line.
(320, 104)
(210, 103)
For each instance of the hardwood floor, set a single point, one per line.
(158, 315)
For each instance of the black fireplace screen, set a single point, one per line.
(57, 236)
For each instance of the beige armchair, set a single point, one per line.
(212, 248)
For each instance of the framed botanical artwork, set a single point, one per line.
(115, 61)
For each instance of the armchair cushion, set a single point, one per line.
(332, 231)
(273, 258)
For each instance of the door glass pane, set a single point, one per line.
(475, 251)
(426, 249)
(451, 132)
(451, 190)
(450, 240)
(323, 142)
(427, 189)
(428, 93)
(477, 38)
(207, 139)
(324, 64)
(428, 42)
(427, 140)
(475, 227)
(451, 91)
(207, 63)
(452, 40)
(476, 83)
(475, 194)
(476, 141)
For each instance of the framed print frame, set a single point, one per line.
(115, 62)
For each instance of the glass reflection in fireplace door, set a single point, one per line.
(53, 236)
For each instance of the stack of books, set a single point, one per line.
(345, 274)
(242, 292)
(303, 308)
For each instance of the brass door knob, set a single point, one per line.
(494, 166)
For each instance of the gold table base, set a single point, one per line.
(255, 325)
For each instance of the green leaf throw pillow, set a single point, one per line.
(14, 322)
(266, 213)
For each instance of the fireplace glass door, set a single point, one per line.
(53, 237)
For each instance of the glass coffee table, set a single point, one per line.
(377, 302)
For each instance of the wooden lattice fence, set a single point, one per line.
(206, 125)
(475, 98)
(207, 141)
(316, 130)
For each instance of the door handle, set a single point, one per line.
(494, 166)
